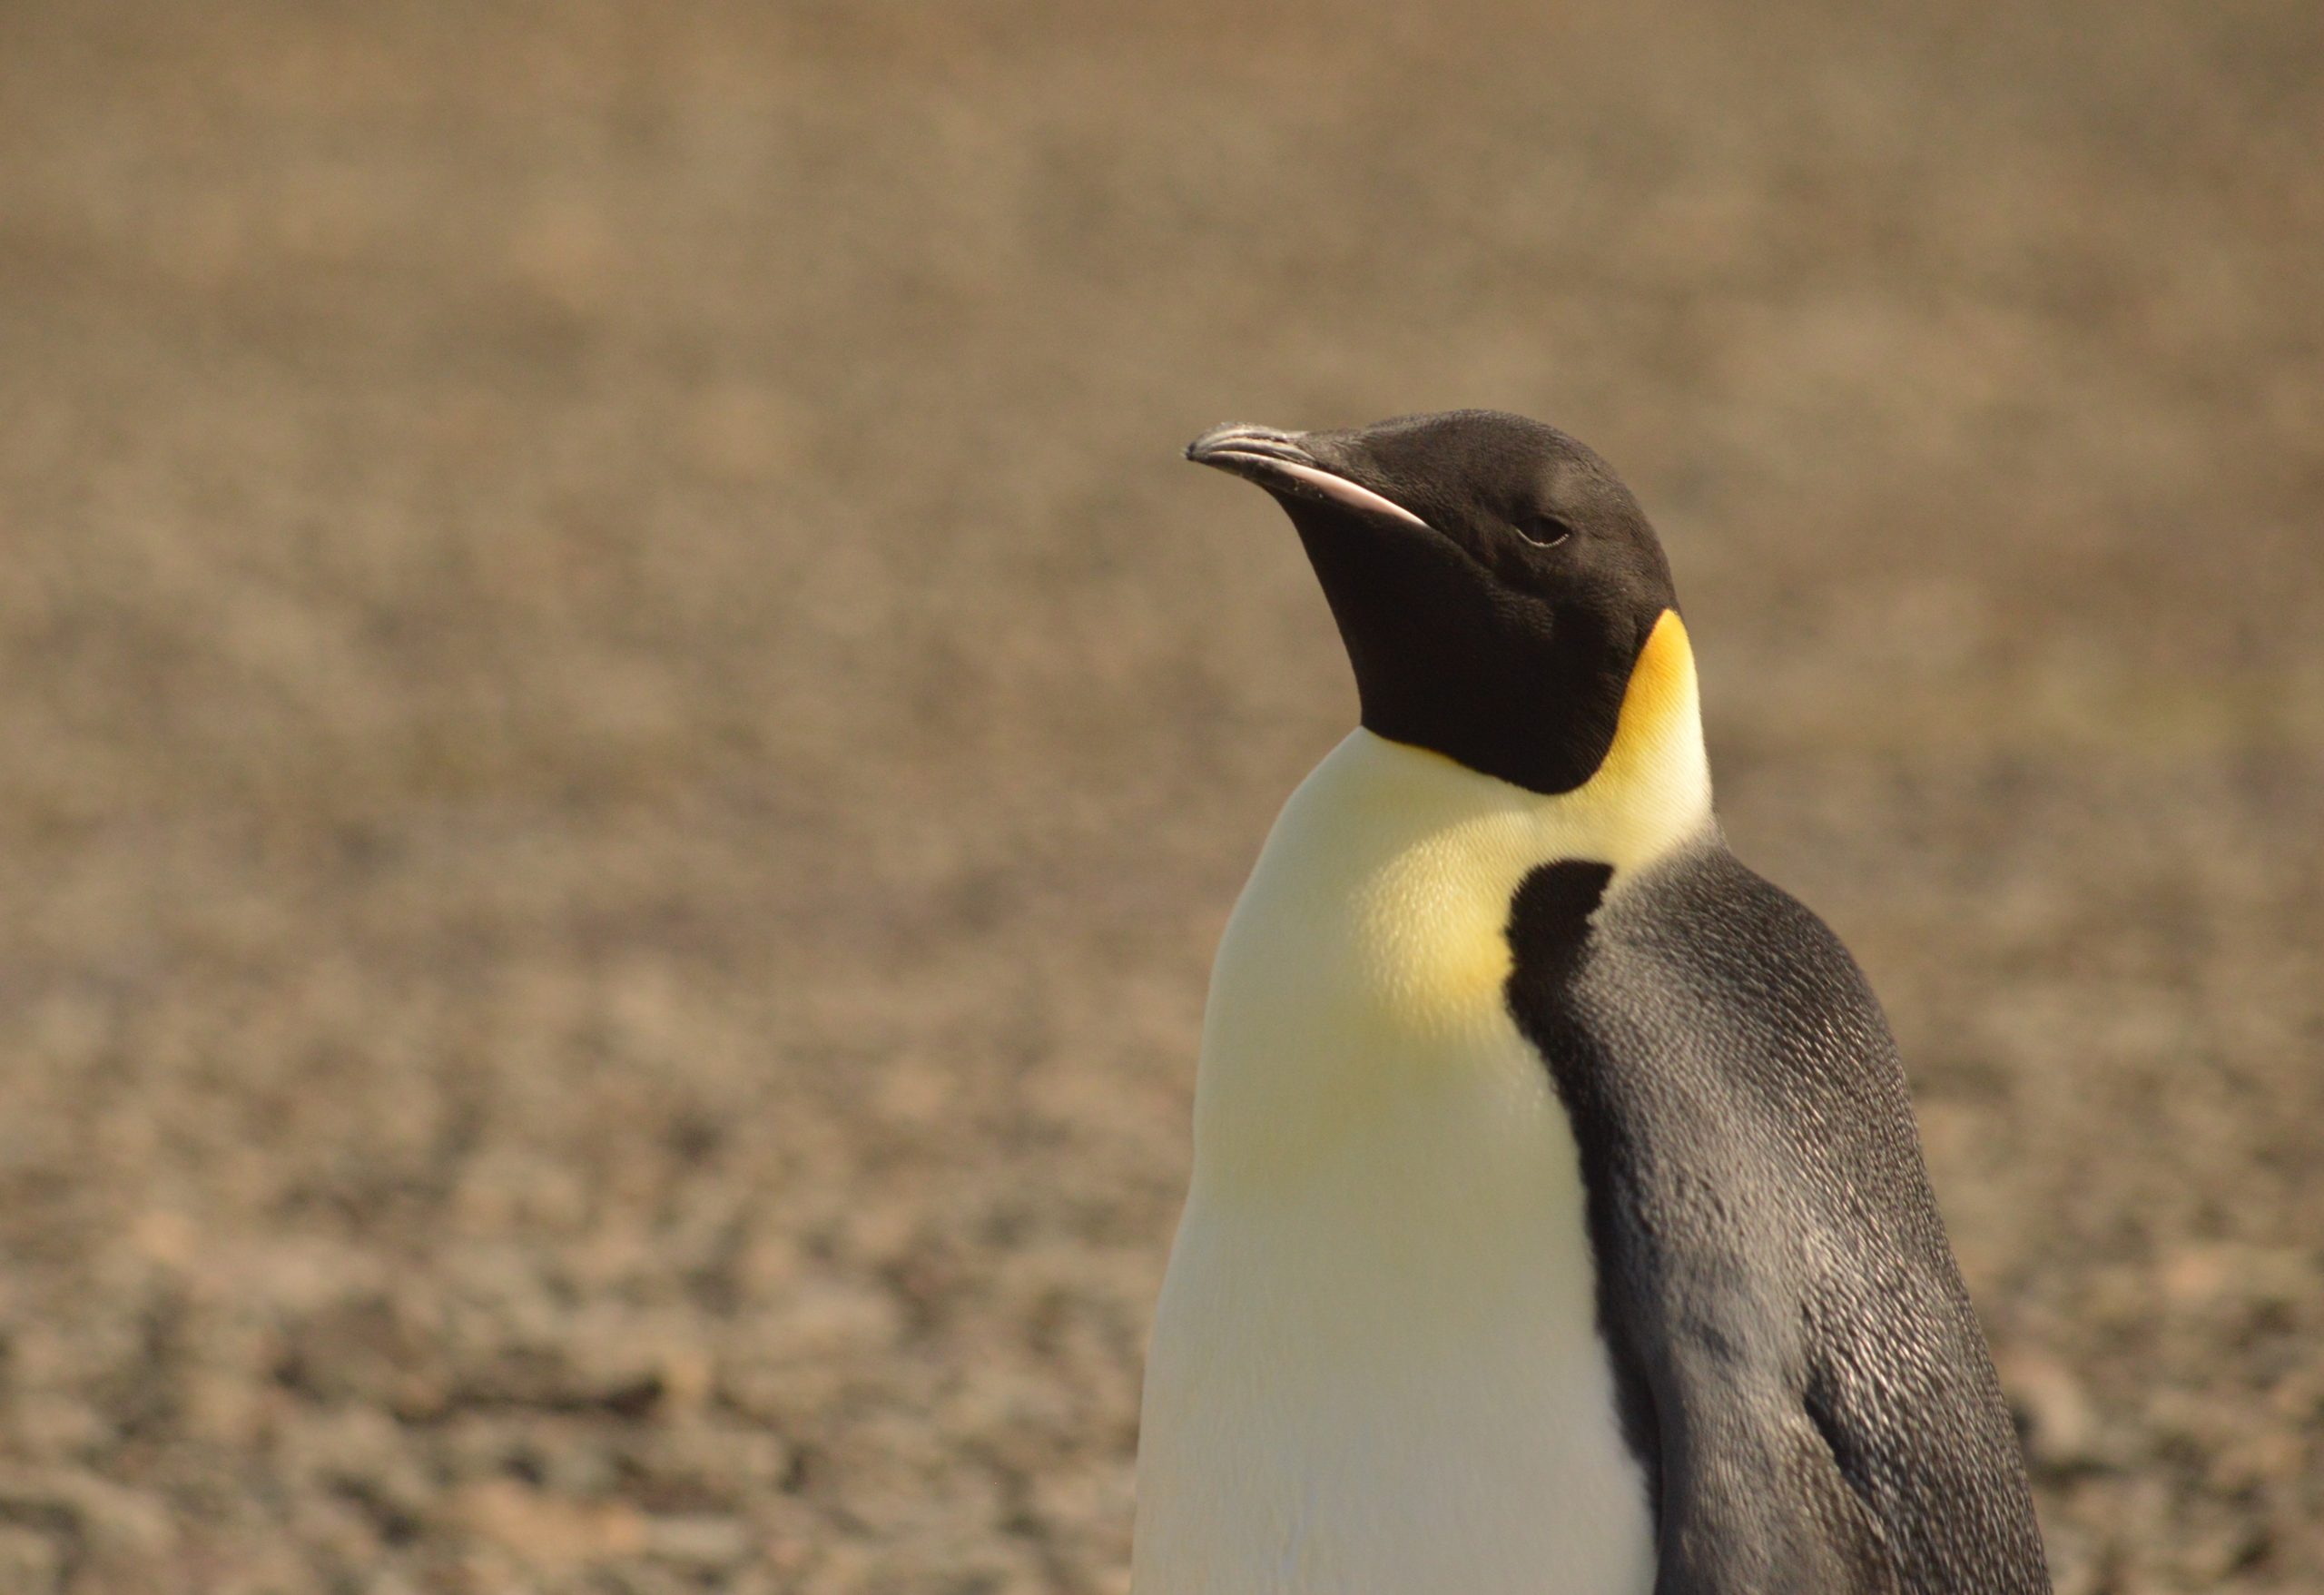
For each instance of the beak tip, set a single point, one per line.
(1224, 446)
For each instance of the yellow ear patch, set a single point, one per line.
(1661, 691)
(1653, 788)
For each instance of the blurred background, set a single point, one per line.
(626, 740)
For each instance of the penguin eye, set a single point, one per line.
(1543, 531)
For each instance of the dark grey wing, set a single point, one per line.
(1800, 1368)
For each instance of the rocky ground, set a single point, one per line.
(625, 741)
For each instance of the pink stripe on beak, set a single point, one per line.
(1346, 492)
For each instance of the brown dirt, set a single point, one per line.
(625, 741)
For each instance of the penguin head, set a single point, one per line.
(1492, 579)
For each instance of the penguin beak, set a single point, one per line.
(1286, 464)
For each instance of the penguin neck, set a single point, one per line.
(1651, 791)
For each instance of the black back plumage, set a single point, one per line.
(1800, 1369)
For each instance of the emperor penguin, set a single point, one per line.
(1557, 1223)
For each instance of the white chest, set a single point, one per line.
(1375, 1367)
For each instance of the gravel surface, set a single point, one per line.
(626, 742)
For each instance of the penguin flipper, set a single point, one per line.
(1801, 1373)
(1795, 1527)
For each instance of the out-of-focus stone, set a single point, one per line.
(698, 1541)
(31, 1560)
(2061, 1430)
(549, 1533)
(121, 1536)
